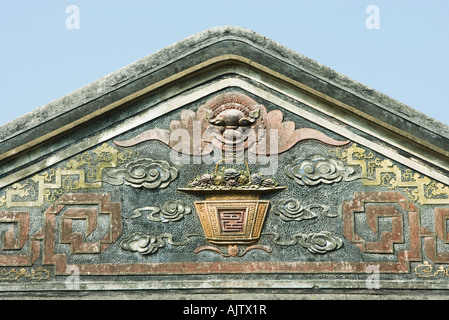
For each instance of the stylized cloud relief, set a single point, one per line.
(321, 242)
(319, 169)
(147, 173)
(292, 210)
(170, 211)
(174, 210)
(142, 243)
(316, 242)
(150, 244)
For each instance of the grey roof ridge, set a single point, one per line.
(167, 55)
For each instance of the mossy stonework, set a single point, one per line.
(224, 162)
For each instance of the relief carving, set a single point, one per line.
(234, 250)
(145, 172)
(382, 172)
(170, 211)
(83, 172)
(291, 210)
(150, 244)
(231, 122)
(427, 270)
(319, 169)
(316, 242)
(231, 214)
(38, 274)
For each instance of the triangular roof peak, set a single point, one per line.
(309, 180)
(36, 136)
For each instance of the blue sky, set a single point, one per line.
(42, 60)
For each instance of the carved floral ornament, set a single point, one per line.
(232, 213)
